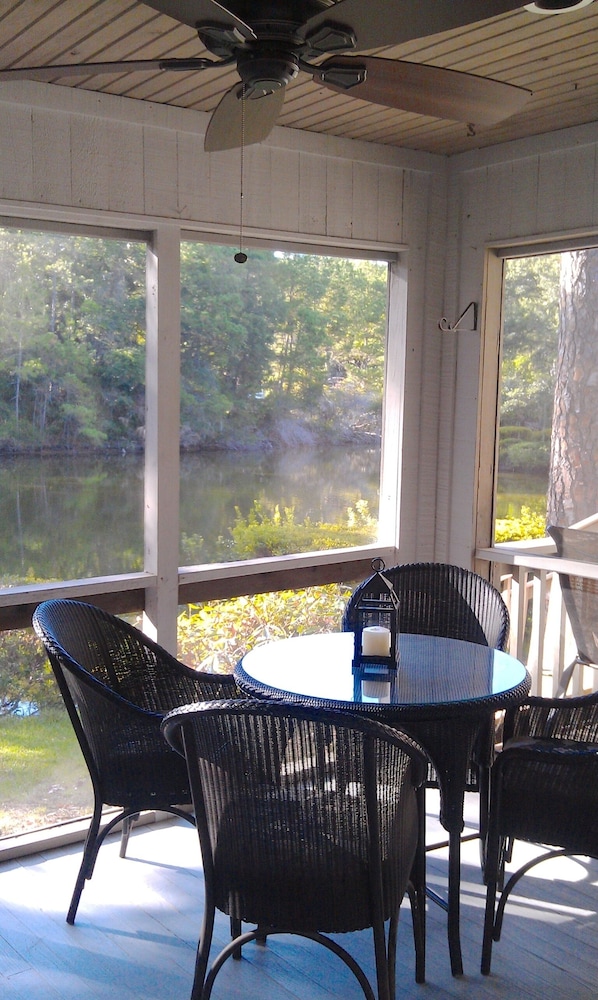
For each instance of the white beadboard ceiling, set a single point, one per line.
(556, 57)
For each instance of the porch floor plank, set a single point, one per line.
(136, 933)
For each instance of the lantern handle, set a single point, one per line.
(378, 564)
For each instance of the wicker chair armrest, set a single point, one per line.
(574, 719)
(529, 748)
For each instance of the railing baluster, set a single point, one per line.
(528, 574)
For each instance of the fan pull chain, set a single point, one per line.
(240, 256)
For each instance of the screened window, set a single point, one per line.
(72, 377)
(282, 378)
(548, 432)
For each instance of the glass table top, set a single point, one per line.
(431, 671)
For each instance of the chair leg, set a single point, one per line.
(128, 822)
(90, 851)
(417, 891)
(391, 964)
(418, 920)
(382, 971)
(203, 950)
(566, 676)
(484, 795)
(94, 840)
(488, 928)
(235, 932)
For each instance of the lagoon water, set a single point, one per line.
(74, 517)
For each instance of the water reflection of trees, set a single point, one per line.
(76, 517)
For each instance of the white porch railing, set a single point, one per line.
(526, 573)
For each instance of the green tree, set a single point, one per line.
(530, 331)
(71, 338)
(228, 314)
(286, 332)
(300, 348)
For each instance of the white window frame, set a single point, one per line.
(490, 372)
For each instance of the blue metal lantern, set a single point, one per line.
(375, 621)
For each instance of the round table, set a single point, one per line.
(444, 693)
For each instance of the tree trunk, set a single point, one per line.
(573, 483)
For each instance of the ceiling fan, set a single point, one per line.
(271, 41)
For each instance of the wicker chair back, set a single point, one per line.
(309, 823)
(117, 686)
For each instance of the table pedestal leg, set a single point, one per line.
(452, 904)
(453, 910)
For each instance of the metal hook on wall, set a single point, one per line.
(447, 327)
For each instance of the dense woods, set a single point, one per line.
(529, 346)
(549, 400)
(284, 341)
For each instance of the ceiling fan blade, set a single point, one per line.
(191, 12)
(425, 90)
(237, 122)
(45, 74)
(378, 22)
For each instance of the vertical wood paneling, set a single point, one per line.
(261, 185)
(339, 198)
(160, 165)
(433, 519)
(193, 176)
(580, 176)
(107, 159)
(464, 351)
(499, 192)
(391, 200)
(524, 200)
(311, 194)
(105, 153)
(51, 158)
(281, 188)
(365, 200)
(16, 162)
(447, 379)
(423, 230)
(225, 187)
(553, 198)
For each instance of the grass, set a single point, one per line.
(43, 775)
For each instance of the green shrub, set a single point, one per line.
(525, 456)
(275, 533)
(527, 524)
(25, 673)
(215, 635)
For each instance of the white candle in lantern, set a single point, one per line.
(376, 691)
(375, 641)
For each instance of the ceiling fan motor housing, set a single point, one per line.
(266, 68)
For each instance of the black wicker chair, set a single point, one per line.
(117, 686)
(445, 600)
(544, 790)
(309, 822)
(580, 596)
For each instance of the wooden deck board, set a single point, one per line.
(139, 919)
